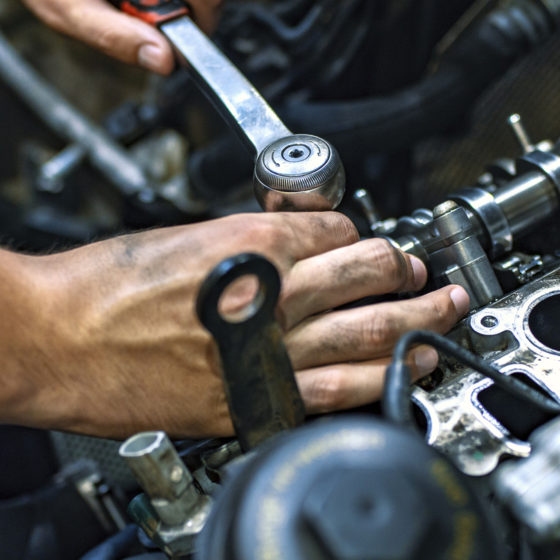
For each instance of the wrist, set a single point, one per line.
(27, 333)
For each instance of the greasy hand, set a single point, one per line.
(99, 24)
(122, 349)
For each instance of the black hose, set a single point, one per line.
(119, 545)
(431, 106)
(396, 396)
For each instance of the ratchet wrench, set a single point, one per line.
(292, 171)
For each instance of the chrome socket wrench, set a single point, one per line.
(292, 171)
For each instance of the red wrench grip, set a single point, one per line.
(154, 12)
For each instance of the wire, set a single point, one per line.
(396, 396)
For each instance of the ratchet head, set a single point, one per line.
(299, 172)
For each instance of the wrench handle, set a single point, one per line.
(259, 381)
(154, 12)
(237, 100)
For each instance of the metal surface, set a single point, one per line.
(292, 172)
(531, 487)
(259, 381)
(467, 418)
(71, 448)
(52, 173)
(546, 162)
(507, 334)
(448, 163)
(365, 201)
(495, 230)
(173, 512)
(97, 493)
(520, 133)
(527, 200)
(236, 99)
(301, 172)
(453, 243)
(456, 256)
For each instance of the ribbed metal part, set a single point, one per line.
(296, 183)
(317, 165)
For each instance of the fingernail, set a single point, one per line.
(460, 300)
(151, 57)
(419, 272)
(426, 360)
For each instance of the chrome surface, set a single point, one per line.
(161, 473)
(231, 93)
(300, 172)
(292, 172)
(527, 200)
(520, 132)
(456, 256)
(495, 230)
(545, 162)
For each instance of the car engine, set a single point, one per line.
(422, 104)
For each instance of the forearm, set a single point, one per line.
(16, 338)
(27, 336)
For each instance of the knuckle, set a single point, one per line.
(347, 228)
(378, 331)
(328, 390)
(260, 232)
(392, 262)
(443, 310)
(270, 235)
(106, 39)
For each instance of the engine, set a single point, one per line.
(463, 464)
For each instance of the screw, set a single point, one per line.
(489, 321)
(520, 133)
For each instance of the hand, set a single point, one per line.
(106, 340)
(119, 35)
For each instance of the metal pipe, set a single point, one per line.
(53, 172)
(527, 200)
(161, 473)
(105, 154)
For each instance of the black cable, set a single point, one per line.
(396, 396)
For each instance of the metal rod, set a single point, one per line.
(104, 153)
(520, 133)
(53, 172)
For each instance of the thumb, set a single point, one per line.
(102, 26)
